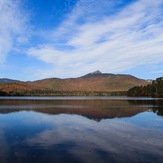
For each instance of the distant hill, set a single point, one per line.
(95, 81)
(6, 80)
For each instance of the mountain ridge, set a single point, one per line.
(91, 82)
(96, 73)
(95, 81)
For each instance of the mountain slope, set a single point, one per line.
(19, 88)
(95, 81)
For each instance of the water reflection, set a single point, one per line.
(71, 138)
(80, 131)
(154, 105)
(94, 109)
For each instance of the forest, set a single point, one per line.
(155, 89)
(59, 93)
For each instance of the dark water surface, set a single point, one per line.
(81, 129)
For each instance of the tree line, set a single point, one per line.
(2, 93)
(17, 92)
(155, 89)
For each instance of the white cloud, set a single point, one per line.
(12, 26)
(115, 43)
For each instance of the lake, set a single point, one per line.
(81, 130)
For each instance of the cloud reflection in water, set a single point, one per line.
(108, 140)
(80, 131)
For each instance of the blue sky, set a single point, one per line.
(69, 38)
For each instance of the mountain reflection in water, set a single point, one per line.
(93, 109)
(81, 130)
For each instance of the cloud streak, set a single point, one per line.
(115, 43)
(12, 27)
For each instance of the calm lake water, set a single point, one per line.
(81, 129)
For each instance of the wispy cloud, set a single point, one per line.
(12, 27)
(114, 43)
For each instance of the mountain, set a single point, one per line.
(96, 74)
(95, 81)
(6, 80)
